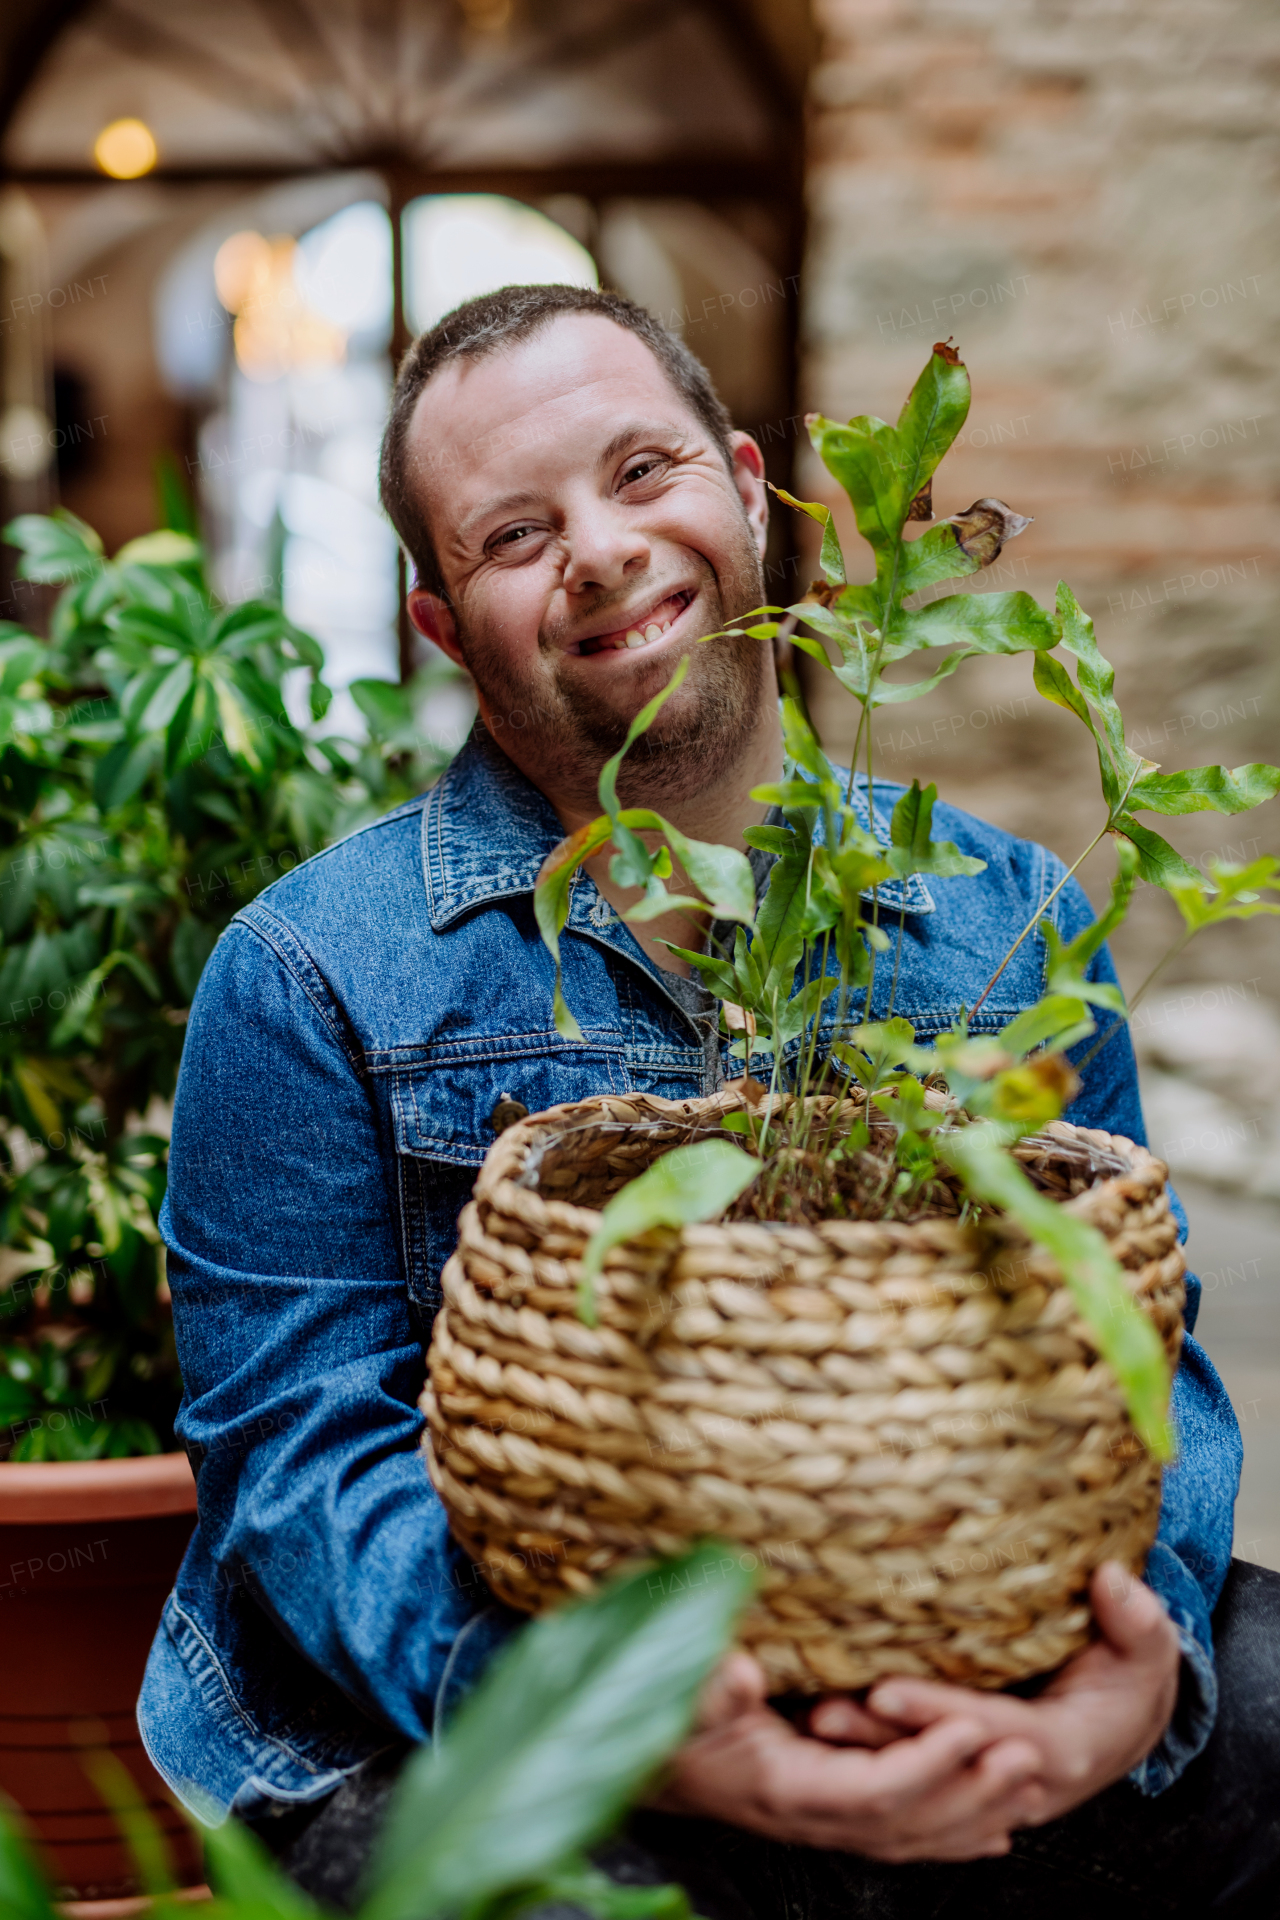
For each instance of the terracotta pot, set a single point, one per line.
(88, 1552)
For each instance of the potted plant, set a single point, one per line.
(563, 1732)
(874, 1310)
(152, 780)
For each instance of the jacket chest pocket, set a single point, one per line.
(443, 1115)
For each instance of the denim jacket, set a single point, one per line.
(350, 1039)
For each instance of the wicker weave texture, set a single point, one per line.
(906, 1427)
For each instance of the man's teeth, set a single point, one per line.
(636, 636)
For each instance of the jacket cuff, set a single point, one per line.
(1187, 1734)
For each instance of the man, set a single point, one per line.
(579, 512)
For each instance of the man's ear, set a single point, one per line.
(433, 617)
(748, 478)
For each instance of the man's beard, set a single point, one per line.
(560, 729)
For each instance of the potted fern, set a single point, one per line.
(874, 1310)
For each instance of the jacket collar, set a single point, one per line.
(486, 831)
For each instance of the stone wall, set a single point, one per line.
(1084, 195)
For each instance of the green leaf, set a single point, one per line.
(865, 458)
(777, 840)
(804, 1006)
(779, 938)
(173, 497)
(24, 1891)
(688, 1184)
(242, 1872)
(166, 698)
(718, 975)
(1118, 765)
(21, 659)
(165, 548)
(937, 555)
(721, 874)
(385, 706)
(193, 942)
(1055, 683)
(691, 1183)
(1232, 892)
(830, 559)
(1066, 963)
(1124, 1335)
(789, 794)
(117, 1787)
(1056, 1020)
(1205, 789)
(551, 903)
(56, 547)
(580, 1886)
(565, 1728)
(1159, 864)
(894, 692)
(870, 1052)
(991, 623)
(66, 1214)
(935, 410)
(912, 851)
(608, 784)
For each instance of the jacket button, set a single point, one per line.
(507, 1113)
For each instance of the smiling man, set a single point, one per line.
(580, 513)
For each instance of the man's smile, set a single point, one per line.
(645, 626)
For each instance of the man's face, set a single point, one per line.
(589, 532)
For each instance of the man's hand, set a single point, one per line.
(1099, 1717)
(930, 1772)
(950, 1792)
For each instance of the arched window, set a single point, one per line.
(327, 180)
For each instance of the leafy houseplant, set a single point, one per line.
(563, 1732)
(153, 779)
(821, 901)
(877, 1154)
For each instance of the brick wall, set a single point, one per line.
(1084, 195)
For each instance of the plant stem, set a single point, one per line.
(1036, 918)
(853, 757)
(1039, 913)
(897, 958)
(875, 901)
(809, 1052)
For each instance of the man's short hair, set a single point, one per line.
(486, 325)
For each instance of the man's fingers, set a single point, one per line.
(844, 1722)
(1129, 1614)
(997, 1792)
(909, 1769)
(919, 1703)
(736, 1687)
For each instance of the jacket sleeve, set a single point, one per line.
(299, 1352)
(1189, 1561)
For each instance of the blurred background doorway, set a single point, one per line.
(226, 221)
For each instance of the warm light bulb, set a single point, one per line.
(126, 149)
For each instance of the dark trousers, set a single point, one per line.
(1210, 1844)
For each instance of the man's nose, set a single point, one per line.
(604, 546)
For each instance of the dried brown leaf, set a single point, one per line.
(983, 528)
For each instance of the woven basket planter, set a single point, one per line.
(906, 1426)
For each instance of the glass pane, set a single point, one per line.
(457, 246)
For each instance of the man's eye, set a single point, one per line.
(643, 469)
(510, 536)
